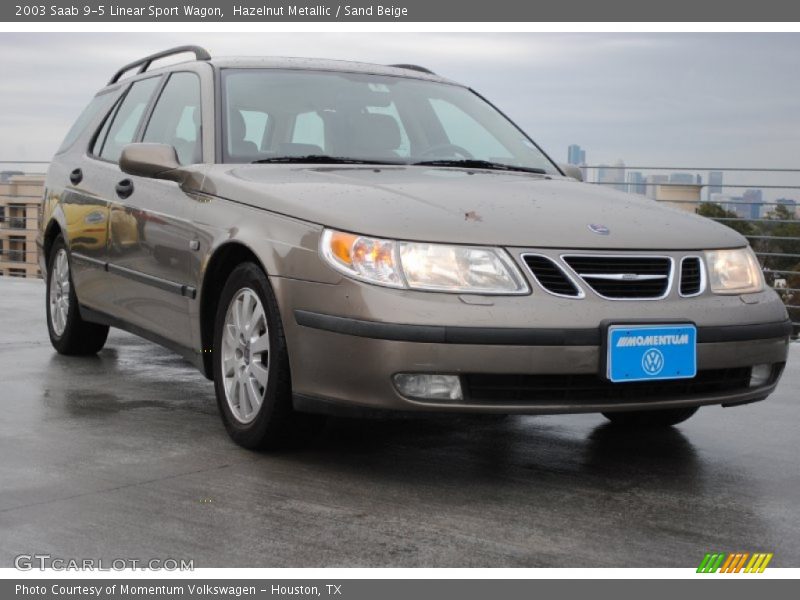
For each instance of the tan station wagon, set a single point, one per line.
(320, 236)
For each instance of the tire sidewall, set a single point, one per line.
(58, 340)
(277, 399)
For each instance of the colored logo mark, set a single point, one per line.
(721, 562)
(598, 229)
(653, 361)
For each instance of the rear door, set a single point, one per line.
(85, 205)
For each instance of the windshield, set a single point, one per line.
(277, 115)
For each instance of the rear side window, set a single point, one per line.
(122, 129)
(176, 118)
(98, 105)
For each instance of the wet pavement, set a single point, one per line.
(124, 456)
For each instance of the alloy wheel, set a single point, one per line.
(59, 292)
(245, 355)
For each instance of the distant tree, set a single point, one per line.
(785, 234)
(712, 210)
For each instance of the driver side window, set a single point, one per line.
(176, 118)
(120, 127)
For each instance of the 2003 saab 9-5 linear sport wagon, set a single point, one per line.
(319, 235)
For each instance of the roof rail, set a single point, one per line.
(414, 68)
(144, 63)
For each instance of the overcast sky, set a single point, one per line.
(668, 99)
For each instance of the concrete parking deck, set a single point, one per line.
(124, 456)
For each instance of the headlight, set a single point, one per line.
(734, 271)
(422, 266)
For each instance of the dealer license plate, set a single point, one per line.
(651, 352)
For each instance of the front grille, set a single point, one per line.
(550, 276)
(691, 276)
(566, 389)
(624, 277)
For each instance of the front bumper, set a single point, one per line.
(347, 341)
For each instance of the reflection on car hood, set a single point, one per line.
(462, 206)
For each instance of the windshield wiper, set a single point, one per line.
(323, 159)
(474, 163)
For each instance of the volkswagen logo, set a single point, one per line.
(653, 361)
(598, 229)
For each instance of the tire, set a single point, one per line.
(252, 378)
(651, 418)
(69, 333)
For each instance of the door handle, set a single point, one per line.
(124, 188)
(76, 176)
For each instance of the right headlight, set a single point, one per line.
(734, 271)
(423, 266)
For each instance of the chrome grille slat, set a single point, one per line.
(624, 277)
(621, 277)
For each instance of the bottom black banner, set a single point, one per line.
(386, 589)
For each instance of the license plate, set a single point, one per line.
(651, 352)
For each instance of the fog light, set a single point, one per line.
(429, 386)
(760, 375)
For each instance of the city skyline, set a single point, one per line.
(752, 203)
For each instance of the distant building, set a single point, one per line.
(684, 197)
(576, 155)
(20, 198)
(5, 176)
(684, 178)
(714, 183)
(753, 200)
(790, 204)
(613, 176)
(637, 183)
(605, 174)
(652, 182)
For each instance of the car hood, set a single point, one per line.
(466, 206)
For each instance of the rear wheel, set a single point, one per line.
(651, 418)
(252, 379)
(69, 333)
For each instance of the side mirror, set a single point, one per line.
(157, 161)
(572, 171)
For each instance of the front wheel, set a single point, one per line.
(252, 379)
(651, 418)
(69, 333)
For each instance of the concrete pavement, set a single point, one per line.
(124, 456)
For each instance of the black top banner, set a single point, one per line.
(121, 11)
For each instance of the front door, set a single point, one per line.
(152, 241)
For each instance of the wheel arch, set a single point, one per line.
(222, 261)
(51, 232)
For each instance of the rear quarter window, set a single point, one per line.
(99, 104)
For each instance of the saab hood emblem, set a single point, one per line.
(598, 229)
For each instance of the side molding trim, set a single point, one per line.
(180, 289)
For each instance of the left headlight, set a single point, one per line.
(734, 271)
(422, 266)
